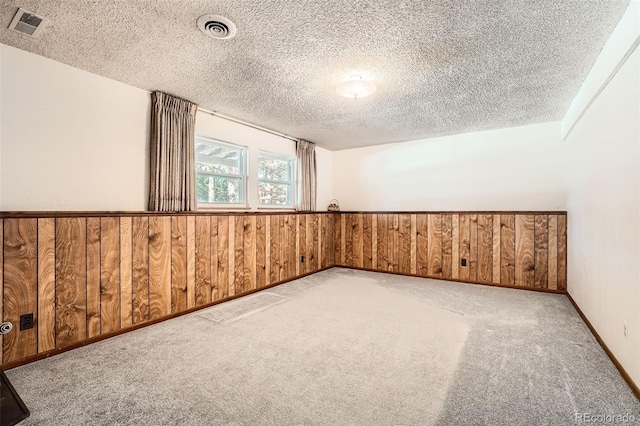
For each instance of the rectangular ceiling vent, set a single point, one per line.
(27, 23)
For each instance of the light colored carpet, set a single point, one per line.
(340, 347)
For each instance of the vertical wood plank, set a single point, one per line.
(315, 241)
(223, 257)
(541, 236)
(473, 247)
(274, 252)
(203, 262)
(434, 245)
(238, 279)
(496, 249)
(414, 241)
(455, 246)
(374, 241)
(485, 248)
(553, 252)
(20, 286)
(393, 221)
(159, 266)
(232, 255)
(348, 236)
(261, 251)
(291, 245)
(249, 253)
(1, 286)
(343, 239)
(524, 250)
(447, 246)
(178, 264)
(267, 246)
(383, 263)
(357, 240)
(71, 280)
(465, 247)
(140, 269)
(214, 258)
(507, 249)
(191, 262)
(46, 284)
(93, 277)
(299, 242)
(305, 242)
(320, 240)
(422, 257)
(110, 274)
(404, 243)
(562, 252)
(367, 233)
(126, 289)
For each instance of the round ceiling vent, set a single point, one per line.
(217, 26)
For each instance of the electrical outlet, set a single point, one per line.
(464, 262)
(625, 330)
(26, 321)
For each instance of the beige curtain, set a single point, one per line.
(173, 175)
(307, 171)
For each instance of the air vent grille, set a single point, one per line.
(216, 26)
(27, 23)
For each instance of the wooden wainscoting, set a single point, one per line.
(89, 275)
(514, 249)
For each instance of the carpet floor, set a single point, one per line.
(340, 347)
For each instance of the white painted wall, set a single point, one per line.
(72, 140)
(603, 181)
(508, 169)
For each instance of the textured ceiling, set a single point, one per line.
(441, 66)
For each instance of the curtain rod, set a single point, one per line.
(244, 123)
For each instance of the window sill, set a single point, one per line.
(288, 208)
(223, 208)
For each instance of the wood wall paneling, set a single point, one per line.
(434, 245)
(473, 247)
(71, 280)
(422, 259)
(126, 289)
(507, 249)
(485, 248)
(404, 243)
(524, 250)
(552, 257)
(46, 284)
(140, 261)
(110, 302)
(179, 262)
(93, 277)
(261, 251)
(160, 267)
(223, 257)
(541, 237)
(562, 252)
(202, 259)
(447, 246)
(84, 277)
(20, 286)
(464, 247)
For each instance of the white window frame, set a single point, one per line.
(291, 182)
(244, 174)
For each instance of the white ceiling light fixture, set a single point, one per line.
(217, 26)
(355, 87)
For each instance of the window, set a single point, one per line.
(275, 179)
(220, 173)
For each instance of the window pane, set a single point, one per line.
(217, 189)
(274, 193)
(273, 169)
(215, 158)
